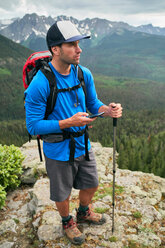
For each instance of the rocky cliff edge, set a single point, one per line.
(30, 218)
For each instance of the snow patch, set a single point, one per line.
(47, 26)
(38, 33)
(26, 37)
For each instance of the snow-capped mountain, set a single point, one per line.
(150, 29)
(31, 24)
(31, 30)
(21, 29)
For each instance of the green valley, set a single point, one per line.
(128, 54)
(12, 58)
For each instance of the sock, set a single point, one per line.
(66, 218)
(83, 208)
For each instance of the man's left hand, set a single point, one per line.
(115, 110)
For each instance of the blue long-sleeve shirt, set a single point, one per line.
(36, 101)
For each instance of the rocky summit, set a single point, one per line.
(30, 218)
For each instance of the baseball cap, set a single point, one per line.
(62, 32)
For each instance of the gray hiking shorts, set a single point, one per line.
(63, 177)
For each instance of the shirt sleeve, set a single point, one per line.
(35, 106)
(93, 103)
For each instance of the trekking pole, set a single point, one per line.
(114, 171)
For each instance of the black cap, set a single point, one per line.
(62, 32)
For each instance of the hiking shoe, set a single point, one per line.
(72, 232)
(90, 217)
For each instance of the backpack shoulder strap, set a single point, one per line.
(81, 79)
(51, 101)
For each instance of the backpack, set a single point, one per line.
(39, 61)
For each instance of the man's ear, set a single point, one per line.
(55, 50)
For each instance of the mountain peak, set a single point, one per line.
(32, 27)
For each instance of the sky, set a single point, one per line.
(133, 12)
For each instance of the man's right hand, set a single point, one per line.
(78, 120)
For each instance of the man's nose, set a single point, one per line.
(79, 50)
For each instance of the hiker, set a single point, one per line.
(69, 158)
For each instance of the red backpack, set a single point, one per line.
(33, 64)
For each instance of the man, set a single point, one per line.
(69, 162)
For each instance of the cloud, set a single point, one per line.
(107, 6)
(8, 5)
(134, 11)
(117, 6)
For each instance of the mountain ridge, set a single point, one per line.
(127, 54)
(33, 26)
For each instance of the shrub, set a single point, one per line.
(2, 196)
(10, 169)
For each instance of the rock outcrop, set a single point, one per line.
(30, 218)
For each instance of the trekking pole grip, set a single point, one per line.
(114, 119)
(114, 122)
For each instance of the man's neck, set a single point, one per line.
(63, 69)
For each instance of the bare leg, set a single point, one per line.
(86, 195)
(63, 207)
(88, 215)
